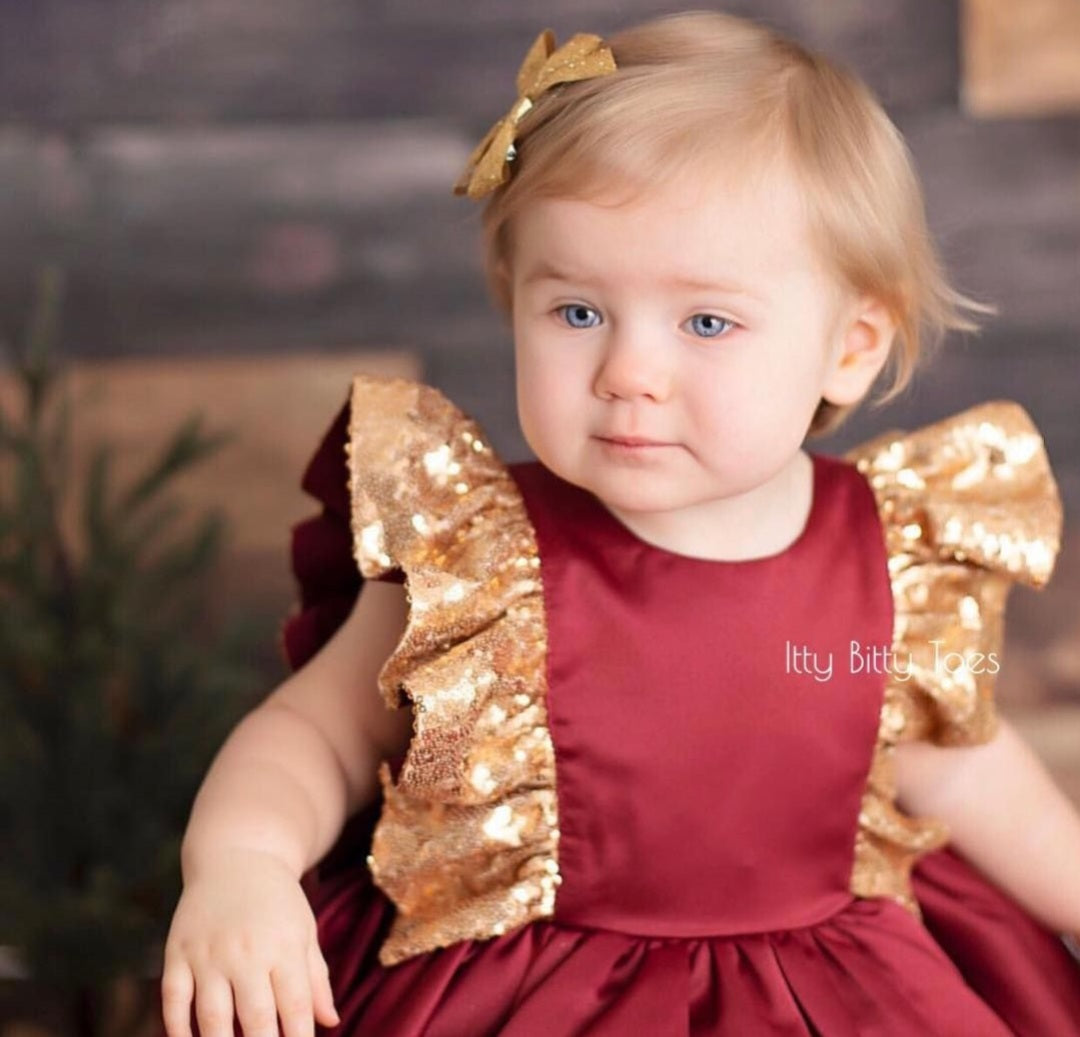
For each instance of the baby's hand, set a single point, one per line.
(243, 928)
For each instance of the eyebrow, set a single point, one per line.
(545, 271)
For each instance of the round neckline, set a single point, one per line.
(625, 533)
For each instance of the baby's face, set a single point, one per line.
(701, 320)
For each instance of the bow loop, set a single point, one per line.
(529, 73)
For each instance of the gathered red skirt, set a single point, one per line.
(868, 970)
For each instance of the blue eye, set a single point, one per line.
(708, 325)
(578, 315)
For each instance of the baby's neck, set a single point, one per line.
(757, 524)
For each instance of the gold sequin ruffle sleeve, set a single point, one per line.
(466, 844)
(968, 505)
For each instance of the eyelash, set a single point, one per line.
(563, 310)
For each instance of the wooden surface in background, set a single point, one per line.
(1021, 58)
(277, 410)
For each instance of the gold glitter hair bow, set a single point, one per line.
(583, 56)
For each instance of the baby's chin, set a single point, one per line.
(626, 489)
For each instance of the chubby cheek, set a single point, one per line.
(527, 417)
(737, 434)
(537, 398)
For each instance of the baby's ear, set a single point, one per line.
(866, 338)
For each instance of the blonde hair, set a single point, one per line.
(689, 86)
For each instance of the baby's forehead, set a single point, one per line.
(757, 274)
(765, 182)
(762, 214)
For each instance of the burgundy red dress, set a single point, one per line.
(710, 768)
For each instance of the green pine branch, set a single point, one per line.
(115, 686)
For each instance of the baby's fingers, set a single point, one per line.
(323, 994)
(213, 1004)
(293, 994)
(255, 1008)
(177, 990)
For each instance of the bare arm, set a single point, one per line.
(296, 767)
(1006, 815)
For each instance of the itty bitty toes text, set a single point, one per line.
(802, 660)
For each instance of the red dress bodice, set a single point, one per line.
(712, 741)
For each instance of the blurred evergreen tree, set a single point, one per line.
(116, 688)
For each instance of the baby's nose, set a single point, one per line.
(631, 368)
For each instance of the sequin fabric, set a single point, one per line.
(467, 842)
(968, 505)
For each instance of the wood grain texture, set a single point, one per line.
(72, 62)
(1021, 58)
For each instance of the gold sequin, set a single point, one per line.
(968, 506)
(467, 842)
